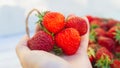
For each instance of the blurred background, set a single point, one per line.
(13, 14)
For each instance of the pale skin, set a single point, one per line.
(42, 59)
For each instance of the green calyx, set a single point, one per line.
(103, 62)
(92, 36)
(93, 26)
(91, 52)
(57, 50)
(41, 15)
(117, 36)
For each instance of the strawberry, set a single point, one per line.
(90, 18)
(91, 54)
(77, 23)
(68, 40)
(100, 32)
(41, 41)
(95, 24)
(53, 21)
(115, 64)
(117, 51)
(102, 52)
(103, 58)
(104, 26)
(106, 42)
(111, 23)
(114, 33)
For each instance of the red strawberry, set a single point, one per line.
(100, 32)
(95, 24)
(106, 42)
(90, 18)
(115, 64)
(111, 23)
(91, 54)
(77, 23)
(68, 40)
(102, 52)
(114, 33)
(103, 58)
(41, 41)
(53, 21)
(104, 26)
(117, 51)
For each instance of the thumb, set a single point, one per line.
(84, 39)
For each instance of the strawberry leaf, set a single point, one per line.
(93, 26)
(57, 50)
(117, 36)
(103, 62)
(92, 36)
(91, 52)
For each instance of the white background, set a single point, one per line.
(13, 13)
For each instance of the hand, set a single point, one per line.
(42, 59)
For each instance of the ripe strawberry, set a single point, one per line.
(41, 41)
(115, 64)
(104, 26)
(91, 54)
(90, 18)
(106, 42)
(68, 40)
(100, 32)
(103, 58)
(111, 23)
(77, 23)
(95, 24)
(114, 33)
(54, 21)
(102, 52)
(117, 51)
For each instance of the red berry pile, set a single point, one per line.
(58, 34)
(104, 42)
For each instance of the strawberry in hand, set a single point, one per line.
(53, 21)
(78, 23)
(41, 41)
(68, 40)
(42, 59)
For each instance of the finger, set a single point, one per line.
(21, 47)
(84, 39)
